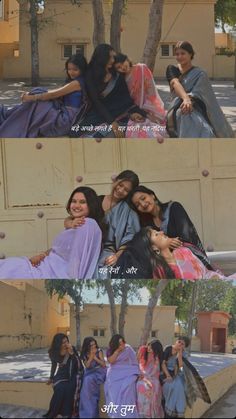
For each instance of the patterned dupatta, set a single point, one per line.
(195, 385)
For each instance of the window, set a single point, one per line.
(95, 332)
(69, 49)
(102, 333)
(154, 333)
(167, 50)
(1, 10)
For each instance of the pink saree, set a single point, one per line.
(144, 93)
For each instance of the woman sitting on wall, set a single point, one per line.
(194, 111)
(66, 377)
(74, 252)
(111, 106)
(143, 91)
(47, 113)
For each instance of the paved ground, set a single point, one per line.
(11, 411)
(225, 407)
(10, 93)
(34, 365)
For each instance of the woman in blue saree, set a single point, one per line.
(181, 381)
(47, 113)
(194, 111)
(94, 376)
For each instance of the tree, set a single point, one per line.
(229, 305)
(73, 288)
(225, 13)
(211, 293)
(178, 293)
(154, 33)
(155, 289)
(34, 6)
(115, 31)
(99, 23)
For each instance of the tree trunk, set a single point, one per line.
(192, 313)
(34, 43)
(110, 293)
(115, 30)
(150, 309)
(99, 23)
(154, 33)
(123, 307)
(77, 321)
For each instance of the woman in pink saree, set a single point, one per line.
(149, 392)
(144, 93)
(74, 253)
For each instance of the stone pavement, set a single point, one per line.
(10, 93)
(225, 407)
(12, 411)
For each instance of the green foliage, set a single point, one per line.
(225, 13)
(178, 293)
(211, 294)
(229, 305)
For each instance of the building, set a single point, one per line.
(66, 28)
(95, 321)
(28, 317)
(9, 31)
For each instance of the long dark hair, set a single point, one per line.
(94, 204)
(157, 349)
(98, 62)
(121, 58)
(55, 348)
(151, 263)
(114, 343)
(86, 346)
(130, 176)
(145, 217)
(80, 61)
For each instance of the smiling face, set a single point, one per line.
(123, 67)
(73, 71)
(111, 60)
(179, 344)
(64, 344)
(159, 241)
(144, 202)
(79, 207)
(183, 57)
(121, 189)
(121, 344)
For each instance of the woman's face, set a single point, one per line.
(73, 71)
(123, 67)
(111, 60)
(159, 241)
(149, 348)
(144, 202)
(121, 189)
(182, 57)
(79, 206)
(121, 344)
(64, 344)
(92, 345)
(180, 344)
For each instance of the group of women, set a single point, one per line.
(128, 233)
(112, 97)
(152, 384)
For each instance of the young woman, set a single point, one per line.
(149, 389)
(194, 111)
(151, 249)
(47, 113)
(181, 382)
(66, 376)
(121, 380)
(169, 217)
(144, 93)
(74, 252)
(94, 376)
(111, 106)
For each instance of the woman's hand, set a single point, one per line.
(77, 222)
(49, 382)
(36, 260)
(111, 260)
(175, 243)
(117, 132)
(27, 97)
(136, 117)
(186, 106)
(168, 379)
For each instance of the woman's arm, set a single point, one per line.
(36, 260)
(71, 87)
(172, 75)
(165, 370)
(73, 222)
(100, 359)
(112, 359)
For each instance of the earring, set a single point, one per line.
(157, 251)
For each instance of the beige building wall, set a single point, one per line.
(97, 317)
(224, 66)
(28, 317)
(74, 25)
(9, 31)
(35, 184)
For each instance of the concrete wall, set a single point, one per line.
(28, 317)
(72, 24)
(96, 316)
(39, 180)
(224, 67)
